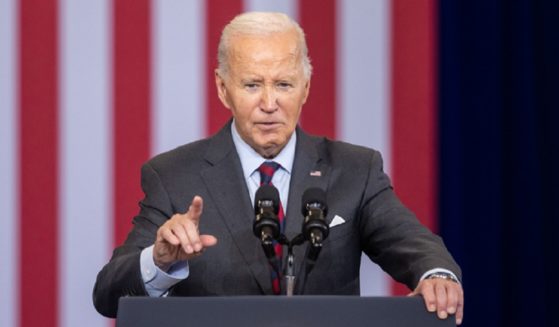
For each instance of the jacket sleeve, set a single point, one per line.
(393, 237)
(121, 276)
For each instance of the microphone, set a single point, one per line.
(266, 224)
(315, 229)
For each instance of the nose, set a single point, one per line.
(269, 100)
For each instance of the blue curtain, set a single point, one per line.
(499, 156)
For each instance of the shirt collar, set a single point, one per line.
(251, 160)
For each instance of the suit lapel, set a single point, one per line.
(310, 169)
(224, 180)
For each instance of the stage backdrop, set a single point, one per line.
(91, 89)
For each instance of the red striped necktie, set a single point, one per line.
(267, 170)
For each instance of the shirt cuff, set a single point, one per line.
(156, 281)
(437, 270)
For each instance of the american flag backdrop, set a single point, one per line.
(89, 90)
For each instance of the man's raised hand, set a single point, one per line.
(179, 239)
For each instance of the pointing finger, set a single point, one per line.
(195, 209)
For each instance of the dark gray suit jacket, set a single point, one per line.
(357, 190)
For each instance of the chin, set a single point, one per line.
(271, 143)
(269, 149)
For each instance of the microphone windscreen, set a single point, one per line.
(267, 193)
(313, 195)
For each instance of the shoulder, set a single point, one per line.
(350, 150)
(187, 156)
(344, 154)
(195, 155)
(355, 160)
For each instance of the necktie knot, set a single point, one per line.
(267, 170)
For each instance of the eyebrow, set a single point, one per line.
(252, 80)
(289, 77)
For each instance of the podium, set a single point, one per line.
(277, 311)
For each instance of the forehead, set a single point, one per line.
(265, 52)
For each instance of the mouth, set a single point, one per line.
(266, 126)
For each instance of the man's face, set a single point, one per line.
(265, 89)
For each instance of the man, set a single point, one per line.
(209, 248)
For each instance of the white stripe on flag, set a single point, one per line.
(85, 156)
(8, 161)
(178, 73)
(364, 71)
(288, 7)
(363, 94)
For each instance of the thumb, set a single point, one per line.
(414, 292)
(208, 240)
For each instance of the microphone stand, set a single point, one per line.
(289, 272)
(289, 275)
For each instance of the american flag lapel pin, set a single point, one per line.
(316, 173)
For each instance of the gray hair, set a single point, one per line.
(260, 24)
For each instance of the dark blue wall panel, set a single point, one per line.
(499, 89)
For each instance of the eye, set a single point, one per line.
(251, 86)
(284, 85)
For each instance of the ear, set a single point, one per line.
(221, 89)
(307, 89)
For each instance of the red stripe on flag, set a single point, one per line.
(318, 20)
(131, 60)
(38, 157)
(218, 14)
(414, 148)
